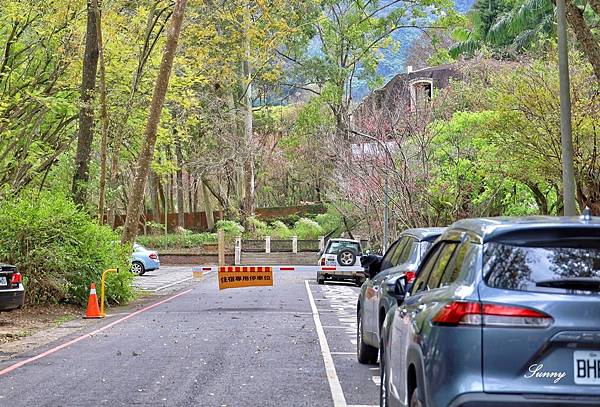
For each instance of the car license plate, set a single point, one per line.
(330, 263)
(3, 281)
(586, 367)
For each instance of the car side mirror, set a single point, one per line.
(397, 288)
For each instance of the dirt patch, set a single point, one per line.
(15, 325)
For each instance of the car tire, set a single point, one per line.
(346, 258)
(359, 282)
(137, 268)
(383, 389)
(415, 399)
(320, 281)
(366, 354)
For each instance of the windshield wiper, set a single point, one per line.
(572, 283)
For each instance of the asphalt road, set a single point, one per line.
(237, 347)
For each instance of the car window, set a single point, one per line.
(440, 265)
(393, 251)
(463, 259)
(555, 267)
(409, 253)
(336, 247)
(424, 245)
(425, 270)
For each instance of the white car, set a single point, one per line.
(340, 261)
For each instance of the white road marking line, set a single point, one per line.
(334, 382)
(172, 284)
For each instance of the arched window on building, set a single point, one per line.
(421, 92)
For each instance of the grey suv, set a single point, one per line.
(402, 258)
(503, 312)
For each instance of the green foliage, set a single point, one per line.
(260, 228)
(231, 228)
(280, 230)
(61, 250)
(330, 221)
(176, 241)
(499, 153)
(307, 229)
(506, 27)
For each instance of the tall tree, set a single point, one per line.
(86, 113)
(147, 151)
(103, 113)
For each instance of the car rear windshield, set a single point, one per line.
(551, 267)
(336, 247)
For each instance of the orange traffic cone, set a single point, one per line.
(93, 311)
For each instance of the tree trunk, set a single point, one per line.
(118, 136)
(103, 114)
(150, 133)
(180, 198)
(208, 211)
(155, 197)
(86, 112)
(591, 47)
(248, 202)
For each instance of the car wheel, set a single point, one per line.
(415, 400)
(320, 281)
(137, 268)
(346, 258)
(383, 389)
(365, 354)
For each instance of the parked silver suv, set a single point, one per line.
(340, 261)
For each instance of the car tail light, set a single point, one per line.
(323, 261)
(16, 278)
(492, 315)
(410, 276)
(153, 256)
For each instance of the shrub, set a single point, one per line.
(330, 221)
(230, 227)
(260, 228)
(307, 229)
(279, 230)
(173, 241)
(60, 250)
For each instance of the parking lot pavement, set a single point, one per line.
(287, 345)
(165, 278)
(355, 384)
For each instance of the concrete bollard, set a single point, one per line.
(238, 251)
(267, 244)
(294, 244)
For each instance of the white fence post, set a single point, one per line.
(321, 243)
(267, 244)
(294, 244)
(238, 251)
